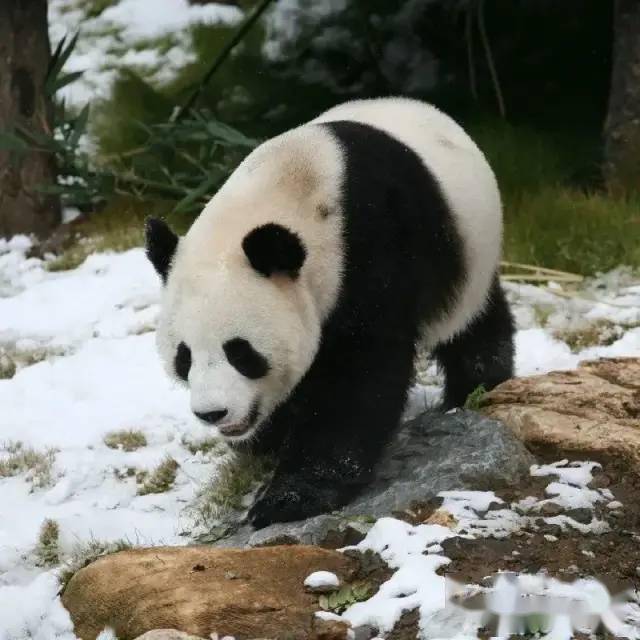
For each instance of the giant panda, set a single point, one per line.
(293, 305)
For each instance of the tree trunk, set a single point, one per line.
(622, 127)
(24, 56)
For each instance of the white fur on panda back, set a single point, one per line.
(466, 180)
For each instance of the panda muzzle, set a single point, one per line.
(235, 429)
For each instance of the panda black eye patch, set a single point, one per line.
(245, 359)
(182, 361)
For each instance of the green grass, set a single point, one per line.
(237, 477)
(207, 446)
(18, 459)
(125, 439)
(118, 228)
(7, 366)
(47, 551)
(161, 479)
(555, 213)
(563, 228)
(474, 399)
(599, 333)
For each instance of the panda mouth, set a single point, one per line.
(240, 428)
(235, 429)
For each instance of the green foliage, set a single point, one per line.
(161, 479)
(54, 78)
(601, 332)
(235, 479)
(554, 214)
(349, 594)
(206, 446)
(125, 439)
(47, 551)
(567, 229)
(118, 227)
(38, 465)
(474, 399)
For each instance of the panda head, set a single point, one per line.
(237, 324)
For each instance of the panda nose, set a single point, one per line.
(211, 416)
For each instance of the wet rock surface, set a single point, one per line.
(429, 454)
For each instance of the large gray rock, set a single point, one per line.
(429, 454)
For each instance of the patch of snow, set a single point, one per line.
(577, 474)
(415, 584)
(33, 610)
(322, 579)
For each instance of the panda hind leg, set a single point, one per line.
(482, 354)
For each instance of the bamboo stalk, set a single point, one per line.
(237, 37)
(538, 277)
(532, 267)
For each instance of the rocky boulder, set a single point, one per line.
(250, 593)
(429, 454)
(592, 412)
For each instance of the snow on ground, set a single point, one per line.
(84, 344)
(145, 35)
(415, 552)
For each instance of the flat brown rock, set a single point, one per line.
(593, 411)
(244, 593)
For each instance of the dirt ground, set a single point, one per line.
(613, 558)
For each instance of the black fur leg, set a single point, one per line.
(338, 435)
(482, 354)
(295, 496)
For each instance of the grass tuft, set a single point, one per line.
(7, 366)
(47, 550)
(474, 399)
(237, 477)
(600, 333)
(125, 439)
(20, 459)
(85, 553)
(206, 446)
(161, 479)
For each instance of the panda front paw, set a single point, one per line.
(293, 498)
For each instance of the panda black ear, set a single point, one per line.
(272, 248)
(161, 244)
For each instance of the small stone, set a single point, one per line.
(614, 505)
(364, 632)
(638, 571)
(330, 629)
(322, 582)
(584, 516)
(550, 509)
(588, 553)
(617, 514)
(600, 481)
(549, 538)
